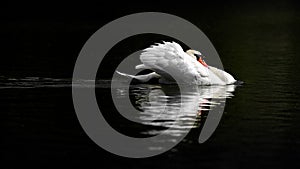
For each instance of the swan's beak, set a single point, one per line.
(202, 62)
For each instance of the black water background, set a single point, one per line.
(257, 42)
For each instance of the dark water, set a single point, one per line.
(257, 43)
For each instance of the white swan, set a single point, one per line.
(169, 62)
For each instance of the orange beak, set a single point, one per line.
(202, 62)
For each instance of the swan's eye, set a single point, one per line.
(197, 56)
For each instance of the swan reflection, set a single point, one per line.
(166, 106)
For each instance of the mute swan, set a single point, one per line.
(168, 61)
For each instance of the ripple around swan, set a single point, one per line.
(44, 82)
(165, 106)
(160, 106)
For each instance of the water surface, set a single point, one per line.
(257, 43)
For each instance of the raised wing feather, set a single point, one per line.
(171, 62)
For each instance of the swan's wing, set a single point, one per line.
(142, 78)
(169, 59)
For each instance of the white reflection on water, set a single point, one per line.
(160, 105)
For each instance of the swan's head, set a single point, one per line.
(197, 55)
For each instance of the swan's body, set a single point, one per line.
(169, 63)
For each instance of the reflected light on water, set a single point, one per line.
(160, 106)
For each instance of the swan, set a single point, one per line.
(168, 61)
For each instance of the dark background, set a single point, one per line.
(44, 39)
(257, 41)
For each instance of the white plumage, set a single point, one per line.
(169, 62)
